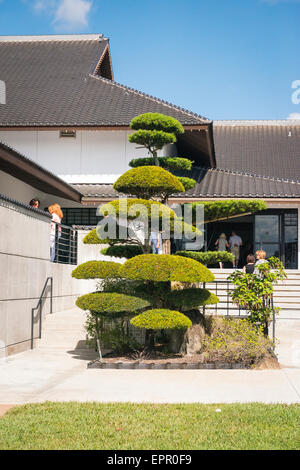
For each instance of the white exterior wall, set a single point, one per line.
(90, 153)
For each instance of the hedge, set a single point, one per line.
(97, 270)
(164, 268)
(122, 251)
(208, 257)
(148, 181)
(169, 163)
(157, 121)
(161, 319)
(113, 304)
(191, 298)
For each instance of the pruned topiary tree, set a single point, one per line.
(158, 273)
(153, 131)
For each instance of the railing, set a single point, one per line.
(65, 245)
(40, 307)
(227, 307)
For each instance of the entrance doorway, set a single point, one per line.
(275, 231)
(242, 226)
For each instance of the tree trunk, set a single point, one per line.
(154, 153)
(166, 247)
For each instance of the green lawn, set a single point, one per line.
(149, 426)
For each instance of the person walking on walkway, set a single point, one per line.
(235, 242)
(221, 245)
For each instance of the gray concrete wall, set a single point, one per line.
(24, 268)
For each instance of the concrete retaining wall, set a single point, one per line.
(24, 268)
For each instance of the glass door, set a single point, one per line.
(267, 234)
(290, 240)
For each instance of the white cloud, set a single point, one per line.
(294, 116)
(66, 14)
(72, 14)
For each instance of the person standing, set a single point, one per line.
(156, 243)
(35, 203)
(57, 216)
(261, 258)
(221, 245)
(235, 243)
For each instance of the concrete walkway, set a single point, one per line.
(56, 371)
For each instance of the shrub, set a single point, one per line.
(92, 238)
(157, 121)
(161, 319)
(235, 340)
(164, 268)
(111, 304)
(97, 270)
(148, 181)
(191, 298)
(188, 183)
(169, 163)
(123, 251)
(208, 257)
(254, 291)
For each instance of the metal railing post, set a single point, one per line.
(40, 329)
(32, 327)
(40, 306)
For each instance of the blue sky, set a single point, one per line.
(224, 59)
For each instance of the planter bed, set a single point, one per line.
(162, 365)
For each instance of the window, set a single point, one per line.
(67, 133)
(81, 216)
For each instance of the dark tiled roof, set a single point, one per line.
(215, 183)
(267, 148)
(53, 83)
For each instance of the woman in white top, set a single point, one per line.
(221, 243)
(57, 216)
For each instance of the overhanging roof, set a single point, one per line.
(212, 183)
(24, 169)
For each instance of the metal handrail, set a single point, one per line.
(40, 306)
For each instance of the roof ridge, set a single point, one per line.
(154, 98)
(249, 122)
(52, 37)
(241, 173)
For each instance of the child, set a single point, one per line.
(249, 268)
